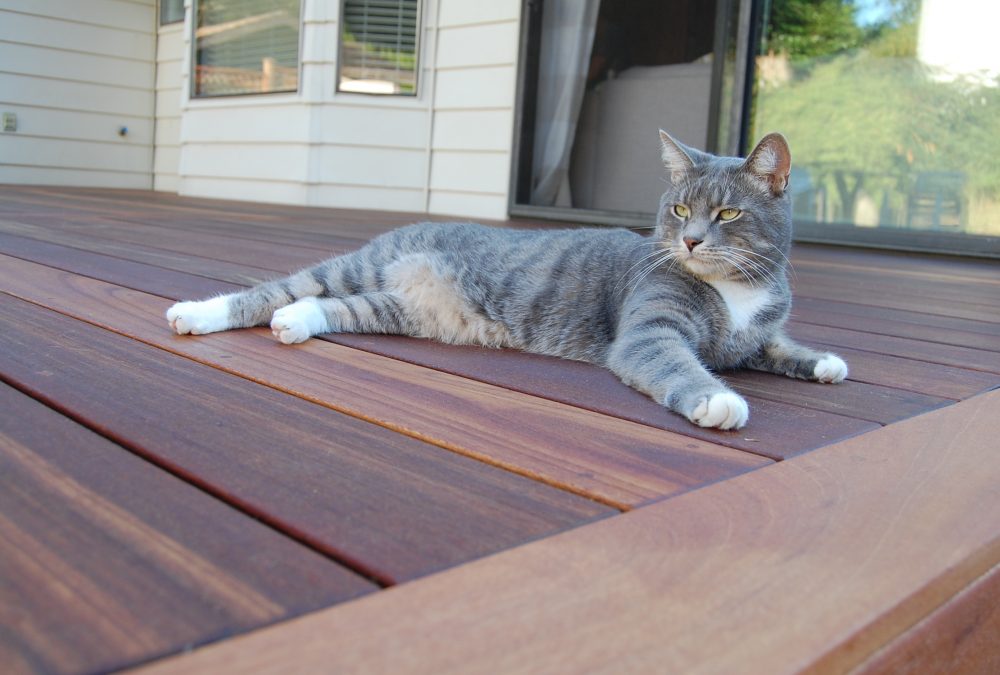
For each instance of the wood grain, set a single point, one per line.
(812, 564)
(869, 400)
(916, 350)
(777, 429)
(383, 503)
(884, 321)
(962, 637)
(108, 561)
(611, 460)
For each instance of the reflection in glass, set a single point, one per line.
(246, 47)
(891, 107)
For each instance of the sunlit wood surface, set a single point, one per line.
(463, 509)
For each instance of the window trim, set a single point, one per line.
(193, 96)
(417, 50)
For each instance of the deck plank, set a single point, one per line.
(779, 426)
(958, 638)
(883, 321)
(376, 500)
(108, 561)
(808, 565)
(915, 350)
(610, 460)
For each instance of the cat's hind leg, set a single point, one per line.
(256, 306)
(379, 312)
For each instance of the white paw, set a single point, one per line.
(299, 321)
(199, 317)
(830, 368)
(725, 411)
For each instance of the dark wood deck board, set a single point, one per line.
(568, 382)
(607, 459)
(386, 504)
(107, 560)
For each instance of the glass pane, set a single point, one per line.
(610, 74)
(246, 47)
(171, 11)
(892, 111)
(378, 47)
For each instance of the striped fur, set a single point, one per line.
(661, 311)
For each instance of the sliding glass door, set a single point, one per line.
(891, 108)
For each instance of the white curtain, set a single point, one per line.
(567, 39)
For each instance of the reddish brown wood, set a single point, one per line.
(97, 266)
(108, 561)
(604, 458)
(962, 637)
(382, 502)
(916, 350)
(777, 430)
(900, 323)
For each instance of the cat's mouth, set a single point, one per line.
(701, 262)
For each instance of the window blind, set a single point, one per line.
(246, 47)
(378, 46)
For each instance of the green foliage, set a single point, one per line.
(812, 28)
(860, 108)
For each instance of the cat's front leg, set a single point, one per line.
(784, 356)
(664, 367)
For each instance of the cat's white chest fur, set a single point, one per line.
(742, 301)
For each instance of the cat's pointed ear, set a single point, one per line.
(675, 158)
(771, 162)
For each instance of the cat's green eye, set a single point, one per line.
(681, 211)
(729, 214)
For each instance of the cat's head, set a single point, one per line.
(726, 217)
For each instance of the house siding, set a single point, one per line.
(167, 135)
(74, 74)
(446, 150)
(74, 77)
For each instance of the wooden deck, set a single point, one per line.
(376, 504)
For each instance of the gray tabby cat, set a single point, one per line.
(707, 291)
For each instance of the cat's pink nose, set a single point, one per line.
(691, 242)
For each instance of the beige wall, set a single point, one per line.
(74, 73)
(167, 133)
(445, 151)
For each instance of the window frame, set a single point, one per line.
(417, 48)
(194, 96)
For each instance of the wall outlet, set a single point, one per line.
(10, 121)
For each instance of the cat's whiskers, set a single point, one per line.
(624, 279)
(761, 270)
(666, 255)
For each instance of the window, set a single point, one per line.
(892, 110)
(171, 11)
(246, 47)
(378, 47)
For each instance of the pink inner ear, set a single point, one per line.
(772, 160)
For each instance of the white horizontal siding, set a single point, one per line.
(367, 197)
(473, 129)
(270, 190)
(75, 74)
(167, 141)
(465, 13)
(474, 108)
(124, 15)
(446, 150)
(56, 175)
(477, 45)
(61, 31)
(468, 205)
